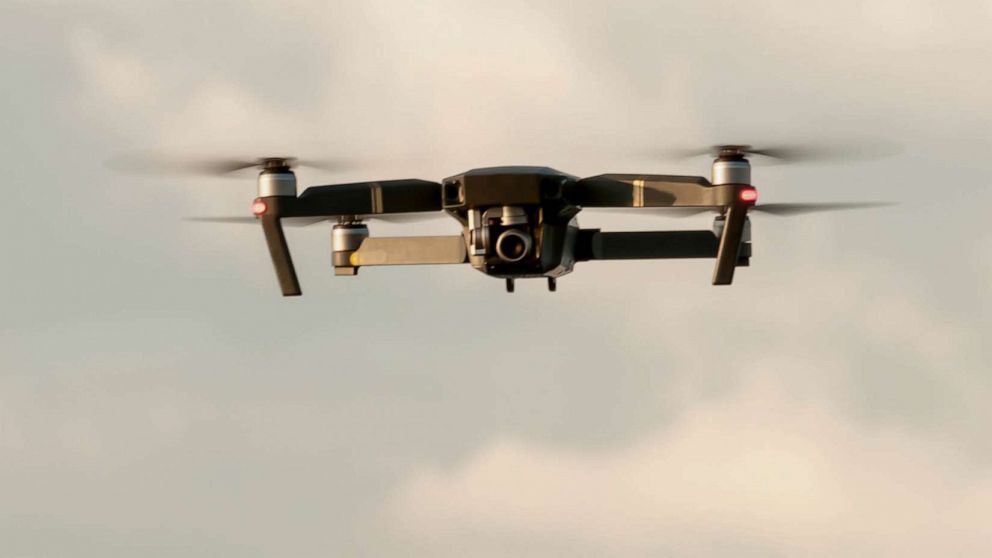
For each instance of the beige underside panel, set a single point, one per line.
(414, 250)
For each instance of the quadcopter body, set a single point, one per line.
(517, 222)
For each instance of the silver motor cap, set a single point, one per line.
(347, 238)
(276, 183)
(731, 171)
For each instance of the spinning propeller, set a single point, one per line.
(155, 164)
(282, 167)
(399, 218)
(731, 164)
(852, 151)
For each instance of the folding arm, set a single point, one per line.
(275, 238)
(730, 244)
(361, 198)
(281, 260)
(411, 250)
(592, 244)
(649, 190)
(368, 198)
(646, 190)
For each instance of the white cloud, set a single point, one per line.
(757, 470)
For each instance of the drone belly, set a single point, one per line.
(516, 220)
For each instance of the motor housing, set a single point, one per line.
(346, 238)
(276, 182)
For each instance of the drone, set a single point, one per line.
(518, 222)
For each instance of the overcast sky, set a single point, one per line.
(159, 398)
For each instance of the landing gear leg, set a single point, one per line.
(552, 284)
(509, 285)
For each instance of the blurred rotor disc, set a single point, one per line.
(158, 164)
(851, 151)
(396, 218)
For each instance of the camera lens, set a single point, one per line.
(513, 245)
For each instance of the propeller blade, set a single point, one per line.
(226, 220)
(787, 209)
(157, 164)
(327, 164)
(778, 209)
(857, 150)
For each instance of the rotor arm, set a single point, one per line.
(367, 198)
(275, 238)
(593, 244)
(356, 199)
(410, 250)
(730, 246)
(649, 190)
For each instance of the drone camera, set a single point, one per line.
(510, 227)
(513, 245)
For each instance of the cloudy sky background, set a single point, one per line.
(157, 396)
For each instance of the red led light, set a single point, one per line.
(747, 195)
(259, 207)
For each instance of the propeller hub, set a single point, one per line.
(732, 151)
(277, 163)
